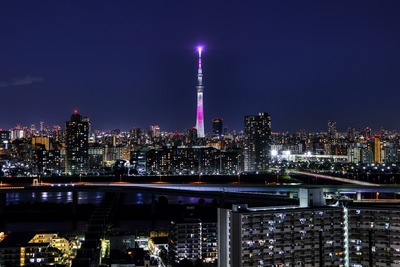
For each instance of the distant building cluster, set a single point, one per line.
(76, 150)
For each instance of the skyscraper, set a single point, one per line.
(217, 126)
(4, 139)
(77, 144)
(257, 147)
(377, 150)
(200, 87)
(332, 129)
(155, 131)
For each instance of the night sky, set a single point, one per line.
(129, 64)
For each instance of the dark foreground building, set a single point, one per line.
(311, 234)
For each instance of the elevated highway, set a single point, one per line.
(244, 191)
(333, 178)
(276, 194)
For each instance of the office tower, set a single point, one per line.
(200, 87)
(33, 130)
(257, 146)
(42, 128)
(4, 139)
(43, 140)
(17, 132)
(77, 144)
(351, 134)
(368, 133)
(191, 135)
(377, 149)
(217, 127)
(331, 129)
(155, 131)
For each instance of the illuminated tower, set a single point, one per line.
(200, 87)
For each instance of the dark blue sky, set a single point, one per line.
(131, 64)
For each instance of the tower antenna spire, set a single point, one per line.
(200, 88)
(199, 71)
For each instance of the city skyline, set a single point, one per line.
(131, 64)
(44, 126)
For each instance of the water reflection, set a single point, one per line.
(93, 198)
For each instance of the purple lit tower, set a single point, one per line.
(200, 87)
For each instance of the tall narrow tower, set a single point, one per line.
(200, 87)
(257, 144)
(77, 144)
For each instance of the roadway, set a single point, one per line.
(200, 189)
(333, 178)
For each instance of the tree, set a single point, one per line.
(163, 254)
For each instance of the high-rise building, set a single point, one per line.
(42, 127)
(191, 135)
(368, 133)
(281, 236)
(4, 139)
(257, 147)
(195, 239)
(373, 234)
(331, 129)
(217, 126)
(348, 233)
(155, 131)
(43, 140)
(200, 88)
(17, 133)
(77, 144)
(377, 149)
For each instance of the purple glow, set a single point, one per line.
(199, 48)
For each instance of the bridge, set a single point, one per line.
(273, 193)
(328, 177)
(233, 192)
